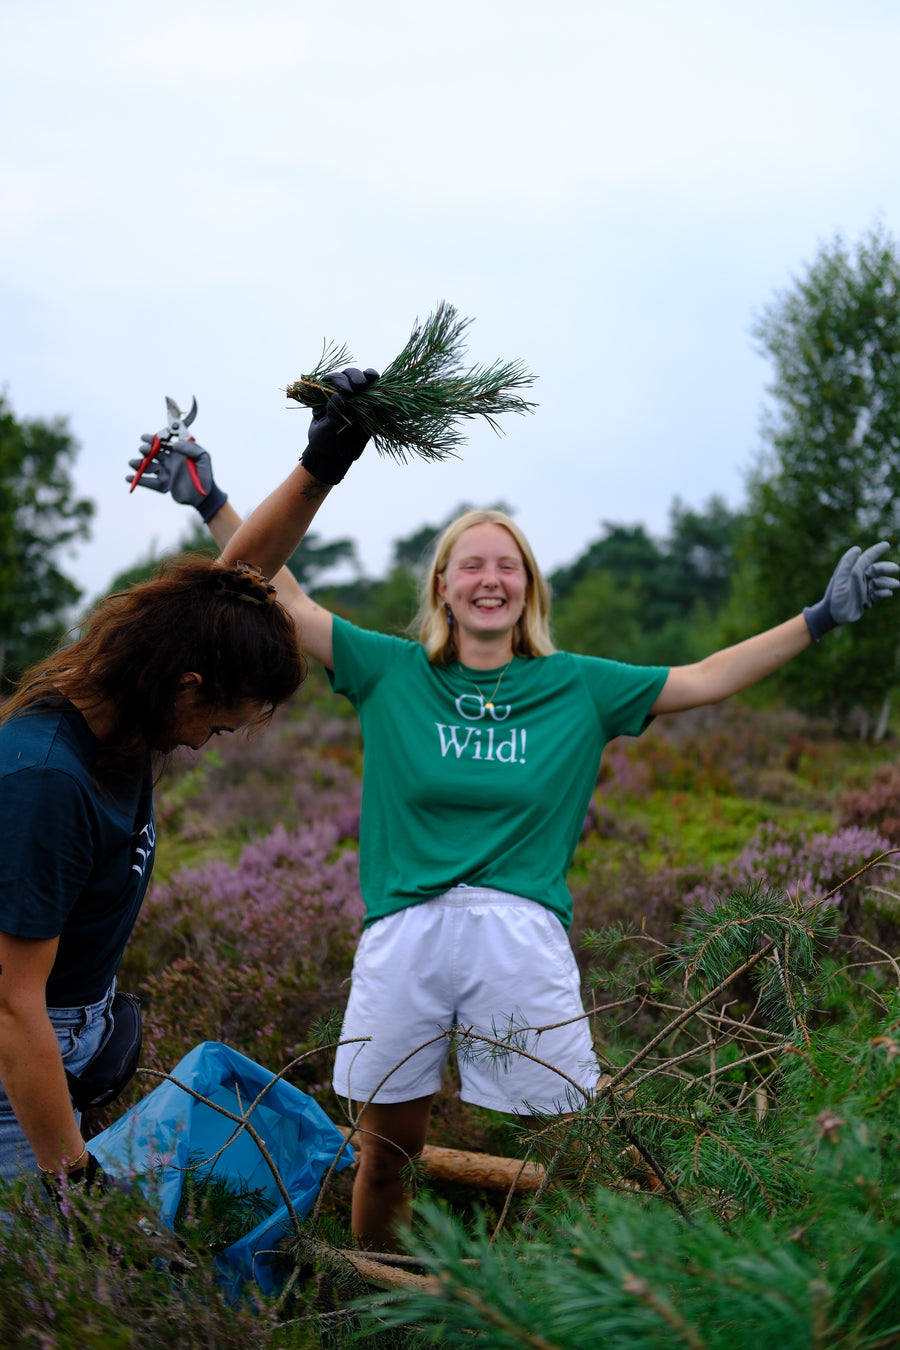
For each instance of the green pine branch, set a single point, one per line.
(746, 923)
(425, 391)
(793, 1234)
(216, 1211)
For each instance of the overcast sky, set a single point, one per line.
(195, 194)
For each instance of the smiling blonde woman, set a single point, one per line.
(482, 748)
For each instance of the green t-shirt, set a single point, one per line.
(457, 793)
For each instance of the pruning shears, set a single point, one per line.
(176, 429)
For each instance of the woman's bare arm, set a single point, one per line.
(860, 580)
(31, 1066)
(729, 671)
(314, 623)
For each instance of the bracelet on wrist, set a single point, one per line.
(68, 1166)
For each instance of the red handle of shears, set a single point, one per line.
(195, 477)
(155, 447)
(146, 462)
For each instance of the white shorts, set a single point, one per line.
(473, 959)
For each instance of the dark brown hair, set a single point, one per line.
(133, 648)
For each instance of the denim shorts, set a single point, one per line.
(80, 1032)
(493, 965)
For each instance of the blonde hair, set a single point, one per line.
(531, 635)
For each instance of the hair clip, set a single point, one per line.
(243, 581)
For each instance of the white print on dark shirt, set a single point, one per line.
(482, 709)
(488, 743)
(146, 837)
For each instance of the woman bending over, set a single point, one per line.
(201, 649)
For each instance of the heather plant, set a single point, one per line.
(876, 804)
(305, 767)
(720, 799)
(614, 887)
(250, 954)
(266, 906)
(805, 865)
(100, 1274)
(723, 748)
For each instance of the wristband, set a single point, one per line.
(214, 500)
(819, 619)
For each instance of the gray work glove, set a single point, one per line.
(169, 472)
(858, 581)
(335, 441)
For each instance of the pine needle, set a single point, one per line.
(425, 391)
(216, 1210)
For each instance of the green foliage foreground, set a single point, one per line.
(734, 1183)
(101, 1276)
(818, 1266)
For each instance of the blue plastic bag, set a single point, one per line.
(157, 1137)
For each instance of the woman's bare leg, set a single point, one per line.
(392, 1134)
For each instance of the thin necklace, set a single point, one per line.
(488, 702)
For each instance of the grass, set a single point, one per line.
(686, 829)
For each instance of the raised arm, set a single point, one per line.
(729, 671)
(859, 581)
(313, 621)
(271, 533)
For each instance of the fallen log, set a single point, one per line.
(485, 1171)
(385, 1276)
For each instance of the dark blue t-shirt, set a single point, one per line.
(75, 857)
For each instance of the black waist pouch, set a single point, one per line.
(115, 1063)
